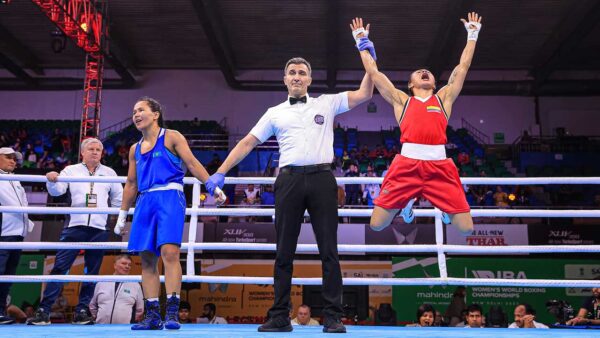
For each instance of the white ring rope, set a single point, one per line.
(362, 248)
(316, 281)
(341, 212)
(340, 180)
(439, 248)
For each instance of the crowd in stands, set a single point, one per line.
(48, 144)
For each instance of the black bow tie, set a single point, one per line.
(294, 100)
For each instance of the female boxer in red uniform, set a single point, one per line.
(422, 168)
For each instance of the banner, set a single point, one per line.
(265, 233)
(401, 233)
(250, 303)
(489, 235)
(407, 299)
(27, 292)
(564, 234)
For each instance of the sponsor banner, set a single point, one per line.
(567, 234)
(407, 299)
(401, 233)
(29, 264)
(240, 232)
(251, 302)
(489, 235)
(265, 233)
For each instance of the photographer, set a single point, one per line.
(589, 313)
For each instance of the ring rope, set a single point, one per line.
(361, 248)
(429, 212)
(340, 180)
(315, 281)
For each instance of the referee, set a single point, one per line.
(303, 126)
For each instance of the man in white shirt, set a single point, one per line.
(115, 302)
(303, 126)
(303, 317)
(209, 314)
(525, 318)
(81, 228)
(13, 227)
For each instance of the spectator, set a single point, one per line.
(214, 164)
(210, 315)
(60, 160)
(352, 190)
(589, 313)
(393, 152)
(457, 305)
(13, 227)
(425, 316)
(474, 316)
(346, 160)
(303, 317)
(30, 157)
(371, 191)
(463, 158)
(252, 195)
(268, 196)
(81, 228)
(438, 319)
(500, 198)
(116, 302)
(525, 318)
(184, 312)
(43, 160)
(56, 142)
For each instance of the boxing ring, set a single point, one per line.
(246, 330)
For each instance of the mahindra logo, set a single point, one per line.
(235, 231)
(499, 274)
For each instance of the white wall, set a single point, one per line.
(204, 94)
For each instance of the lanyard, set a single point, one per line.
(91, 174)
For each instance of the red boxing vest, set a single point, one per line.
(424, 122)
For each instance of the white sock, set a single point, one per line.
(152, 299)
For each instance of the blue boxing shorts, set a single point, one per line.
(158, 219)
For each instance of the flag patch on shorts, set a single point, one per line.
(434, 109)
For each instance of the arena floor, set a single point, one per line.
(249, 331)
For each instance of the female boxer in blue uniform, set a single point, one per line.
(157, 165)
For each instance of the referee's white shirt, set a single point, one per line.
(304, 131)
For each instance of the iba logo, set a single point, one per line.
(499, 274)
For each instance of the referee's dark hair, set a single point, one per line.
(155, 106)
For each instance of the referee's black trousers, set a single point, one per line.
(317, 193)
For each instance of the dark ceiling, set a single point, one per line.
(541, 37)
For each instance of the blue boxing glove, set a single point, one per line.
(366, 44)
(214, 181)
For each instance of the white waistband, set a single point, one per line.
(425, 152)
(170, 186)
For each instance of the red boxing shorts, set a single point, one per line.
(437, 181)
